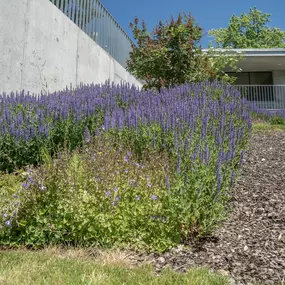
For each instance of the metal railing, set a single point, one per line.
(271, 97)
(94, 19)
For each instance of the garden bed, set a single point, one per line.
(250, 245)
(114, 167)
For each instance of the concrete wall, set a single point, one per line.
(42, 50)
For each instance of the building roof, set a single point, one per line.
(255, 51)
(265, 59)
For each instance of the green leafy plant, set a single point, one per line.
(277, 120)
(222, 59)
(249, 31)
(171, 54)
(99, 196)
(103, 196)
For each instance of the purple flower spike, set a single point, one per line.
(154, 197)
(108, 193)
(138, 197)
(26, 185)
(8, 223)
(87, 136)
(178, 164)
(115, 189)
(167, 182)
(117, 199)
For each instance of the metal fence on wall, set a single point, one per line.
(270, 97)
(94, 19)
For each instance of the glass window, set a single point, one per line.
(261, 78)
(252, 78)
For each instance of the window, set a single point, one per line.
(252, 78)
(260, 78)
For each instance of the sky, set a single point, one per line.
(209, 14)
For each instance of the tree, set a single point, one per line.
(171, 54)
(224, 58)
(249, 31)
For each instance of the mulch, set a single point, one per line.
(249, 246)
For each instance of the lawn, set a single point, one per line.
(264, 126)
(75, 267)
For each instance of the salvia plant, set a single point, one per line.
(274, 117)
(153, 169)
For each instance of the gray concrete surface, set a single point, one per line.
(43, 50)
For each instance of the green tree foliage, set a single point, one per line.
(220, 59)
(171, 54)
(249, 31)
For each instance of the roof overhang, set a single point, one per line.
(257, 59)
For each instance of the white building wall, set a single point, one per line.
(43, 50)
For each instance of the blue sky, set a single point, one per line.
(208, 13)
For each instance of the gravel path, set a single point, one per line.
(250, 245)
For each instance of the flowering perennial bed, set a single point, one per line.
(147, 170)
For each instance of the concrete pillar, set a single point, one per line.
(279, 91)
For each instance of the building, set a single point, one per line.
(262, 76)
(48, 45)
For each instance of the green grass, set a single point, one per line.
(73, 267)
(263, 126)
